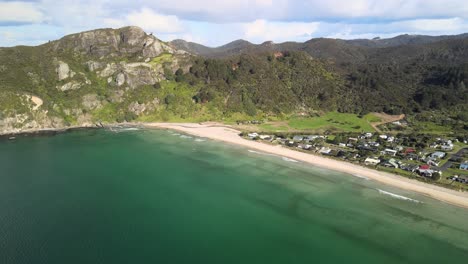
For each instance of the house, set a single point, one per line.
(304, 146)
(312, 137)
(265, 137)
(447, 147)
(368, 135)
(391, 163)
(390, 139)
(411, 156)
(438, 155)
(425, 170)
(252, 135)
(389, 152)
(298, 138)
(342, 145)
(409, 150)
(371, 161)
(433, 162)
(325, 151)
(409, 167)
(464, 166)
(384, 137)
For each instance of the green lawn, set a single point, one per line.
(273, 128)
(334, 121)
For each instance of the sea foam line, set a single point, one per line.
(261, 153)
(401, 197)
(361, 177)
(290, 160)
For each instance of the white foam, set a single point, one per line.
(129, 129)
(260, 153)
(288, 159)
(361, 177)
(398, 196)
(175, 134)
(122, 129)
(184, 136)
(200, 140)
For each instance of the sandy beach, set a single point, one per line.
(229, 135)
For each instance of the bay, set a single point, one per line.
(154, 196)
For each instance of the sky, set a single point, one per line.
(214, 23)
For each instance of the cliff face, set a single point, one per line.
(80, 76)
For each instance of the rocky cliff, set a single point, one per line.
(83, 78)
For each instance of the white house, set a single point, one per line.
(265, 137)
(438, 155)
(372, 161)
(383, 136)
(253, 135)
(390, 152)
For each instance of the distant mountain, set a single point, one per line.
(319, 47)
(403, 40)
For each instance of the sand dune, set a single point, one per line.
(226, 134)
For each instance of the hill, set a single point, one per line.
(116, 75)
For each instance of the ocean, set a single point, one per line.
(156, 196)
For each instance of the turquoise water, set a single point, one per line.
(159, 197)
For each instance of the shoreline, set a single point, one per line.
(46, 131)
(223, 133)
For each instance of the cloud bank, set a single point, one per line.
(217, 22)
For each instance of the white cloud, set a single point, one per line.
(150, 21)
(20, 12)
(434, 25)
(262, 30)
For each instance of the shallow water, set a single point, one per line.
(145, 196)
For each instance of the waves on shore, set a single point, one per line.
(273, 155)
(123, 129)
(289, 160)
(361, 177)
(397, 196)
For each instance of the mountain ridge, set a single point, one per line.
(237, 46)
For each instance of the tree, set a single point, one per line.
(170, 99)
(179, 75)
(436, 176)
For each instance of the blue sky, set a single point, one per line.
(213, 23)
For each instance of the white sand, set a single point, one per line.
(230, 135)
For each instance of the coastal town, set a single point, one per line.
(443, 161)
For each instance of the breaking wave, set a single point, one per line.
(398, 196)
(361, 177)
(288, 159)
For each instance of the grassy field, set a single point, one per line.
(336, 122)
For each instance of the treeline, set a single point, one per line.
(295, 82)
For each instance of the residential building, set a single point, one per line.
(371, 161)
(438, 155)
(464, 166)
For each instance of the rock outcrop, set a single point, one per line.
(113, 42)
(63, 71)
